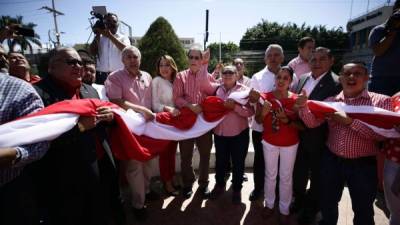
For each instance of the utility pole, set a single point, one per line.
(55, 14)
(206, 34)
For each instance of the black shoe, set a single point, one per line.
(152, 196)
(216, 192)
(187, 192)
(140, 214)
(306, 217)
(236, 197)
(245, 178)
(204, 192)
(255, 195)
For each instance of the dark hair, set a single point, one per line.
(360, 63)
(289, 69)
(396, 5)
(86, 57)
(324, 50)
(303, 41)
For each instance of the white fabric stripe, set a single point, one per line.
(36, 129)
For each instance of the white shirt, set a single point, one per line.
(161, 94)
(110, 58)
(262, 81)
(311, 83)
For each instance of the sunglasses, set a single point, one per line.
(194, 57)
(228, 72)
(74, 62)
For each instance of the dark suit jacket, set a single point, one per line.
(328, 86)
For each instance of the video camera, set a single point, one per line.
(98, 13)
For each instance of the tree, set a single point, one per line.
(228, 52)
(160, 39)
(287, 35)
(23, 41)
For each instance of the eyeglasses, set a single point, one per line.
(194, 57)
(228, 72)
(73, 62)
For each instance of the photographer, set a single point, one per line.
(384, 40)
(107, 46)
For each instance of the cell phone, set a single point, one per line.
(27, 32)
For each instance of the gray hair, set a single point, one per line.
(274, 46)
(132, 49)
(54, 54)
(197, 48)
(323, 50)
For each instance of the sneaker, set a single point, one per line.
(140, 214)
(216, 192)
(236, 197)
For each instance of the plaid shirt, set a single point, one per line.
(17, 99)
(355, 140)
(193, 88)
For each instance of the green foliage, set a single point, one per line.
(287, 35)
(24, 42)
(84, 46)
(228, 52)
(160, 39)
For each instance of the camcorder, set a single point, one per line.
(98, 13)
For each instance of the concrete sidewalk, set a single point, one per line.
(195, 211)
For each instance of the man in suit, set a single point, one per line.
(69, 178)
(319, 84)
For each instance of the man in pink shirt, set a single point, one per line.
(300, 64)
(190, 88)
(352, 148)
(130, 89)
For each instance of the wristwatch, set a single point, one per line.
(18, 157)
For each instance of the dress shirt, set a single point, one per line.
(161, 94)
(122, 85)
(236, 120)
(109, 56)
(263, 81)
(192, 87)
(245, 81)
(299, 66)
(311, 83)
(18, 98)
(357, 139)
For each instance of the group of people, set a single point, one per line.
(76, 180)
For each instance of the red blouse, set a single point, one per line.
(280, 134)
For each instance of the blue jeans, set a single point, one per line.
(361, 178)
(392, 201)
(235, 148)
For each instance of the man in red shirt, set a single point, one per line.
(352, 148)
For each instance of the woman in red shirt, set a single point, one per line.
(280, 141)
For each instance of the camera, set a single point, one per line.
(98, 13)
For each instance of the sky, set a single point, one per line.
(228, 21)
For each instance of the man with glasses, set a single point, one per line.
(190, 88)
(107, 45)
(68, 176)
(242, 78)
(350, 157)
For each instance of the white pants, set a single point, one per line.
(138, 175)
(287, 157)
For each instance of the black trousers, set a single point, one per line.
(235, 149)
(18, 203)
(258, 164)
(308, 166)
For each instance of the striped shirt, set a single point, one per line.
(357, 139)
(193, 88)
(17, 99)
